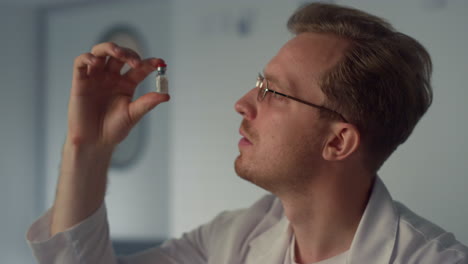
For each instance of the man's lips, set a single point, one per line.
(244, 141)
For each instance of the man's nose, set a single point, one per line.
(247, 105)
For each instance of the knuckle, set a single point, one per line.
(126, 52)
(134, 53)
(77, 59)
(103, 45)
(129, 53)
(110, 44)
(82, 57)
(95, 47)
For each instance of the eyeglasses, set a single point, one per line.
(262, 85)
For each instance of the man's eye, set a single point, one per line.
(278, 97)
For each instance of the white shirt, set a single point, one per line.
(291, 257)
(387, 233)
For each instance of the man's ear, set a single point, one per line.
(343, 140)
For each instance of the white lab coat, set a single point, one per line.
(387, 233)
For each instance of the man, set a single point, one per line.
(329, 109)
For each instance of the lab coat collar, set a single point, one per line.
(373, 242)
(376, 234)
(271, 246)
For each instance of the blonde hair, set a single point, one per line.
(381, 85)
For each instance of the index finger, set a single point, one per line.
(111, 49)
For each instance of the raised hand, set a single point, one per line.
(101, 113)
(101, 110)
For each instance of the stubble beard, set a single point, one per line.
(277, 180)
(242, 165)
(246, 171)
(292, 176)
(241, 170)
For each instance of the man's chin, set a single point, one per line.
(247, 173)
(242, 169)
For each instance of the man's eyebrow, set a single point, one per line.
(284, 86)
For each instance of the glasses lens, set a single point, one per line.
(258, 84)
(261, 94)
(261, 90)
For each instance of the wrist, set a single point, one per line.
(82, 183)
(86, 158)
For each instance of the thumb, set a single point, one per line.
(144, 104)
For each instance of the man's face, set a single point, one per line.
(283, 139)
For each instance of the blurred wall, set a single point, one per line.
(19, 127)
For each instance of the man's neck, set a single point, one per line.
(325, 214)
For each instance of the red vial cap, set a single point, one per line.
(162, 64)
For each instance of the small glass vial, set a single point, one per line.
(161, 79)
